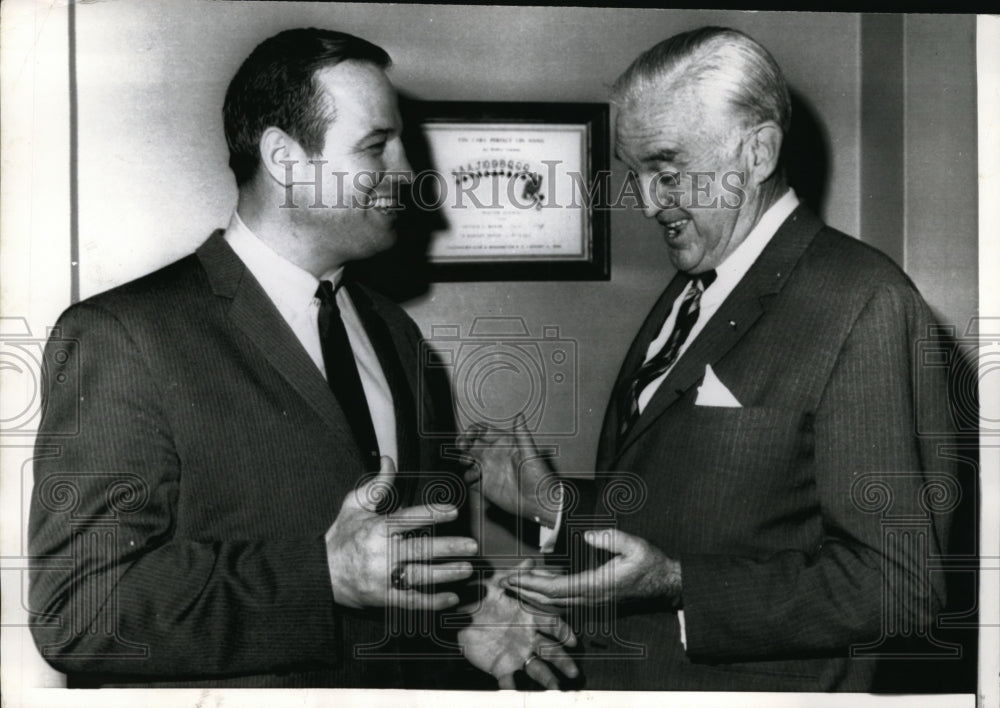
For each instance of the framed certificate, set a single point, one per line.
(516, 188)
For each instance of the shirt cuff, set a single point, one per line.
(684, 636)
(547, 536)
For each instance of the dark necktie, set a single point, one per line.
(687, 316)
(342, 375)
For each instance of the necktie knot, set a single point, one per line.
(705, 279)
(326, 293)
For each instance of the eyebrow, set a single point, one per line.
(662, 155)
(376, 133)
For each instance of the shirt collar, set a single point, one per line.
(283, 281)
(732, 270)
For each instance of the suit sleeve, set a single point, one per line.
(112, 590)
(884, 493)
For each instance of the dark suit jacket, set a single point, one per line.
(179, 532)
(805, 520)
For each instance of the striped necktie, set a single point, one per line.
(687, 316)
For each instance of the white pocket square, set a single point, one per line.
(713, 392)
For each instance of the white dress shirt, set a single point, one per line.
(293, 292)
(728, 275)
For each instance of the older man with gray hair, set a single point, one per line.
(763, 425)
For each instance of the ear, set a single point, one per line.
(282, 158)
(764, 148)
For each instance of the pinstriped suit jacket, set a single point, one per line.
(778, 511)
(179, 530)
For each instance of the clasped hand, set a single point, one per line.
(364, 547)
(510, 472)
(637, 571)
(505, 635)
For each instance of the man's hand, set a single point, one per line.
(364, 549)
(504, 634)
(638, 571)
(510, 472)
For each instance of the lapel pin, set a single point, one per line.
(732, 323)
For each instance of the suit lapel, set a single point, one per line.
(734, 318)
(253, 313)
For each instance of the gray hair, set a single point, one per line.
(722, 63)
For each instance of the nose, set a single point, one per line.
(399, 164)
(649, 208)
(647, 198)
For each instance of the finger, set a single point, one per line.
(611, 540)
(551, 586)
(486, 436)
(550, 625)
(473, 474)
(415, 517)
(370, 495)
(555, 627)
(467, 438)
(539, 671)
(526, 565)
(558, 657)
(425, 548)
(502, 576)
(427, 574)
(414, 600)
(523, 437)
(581, 589)
(507, 682)
(538, 600)
(544, 572)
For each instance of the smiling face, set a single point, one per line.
(690, 159)
(363, 165)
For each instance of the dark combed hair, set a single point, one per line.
(276, 87)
